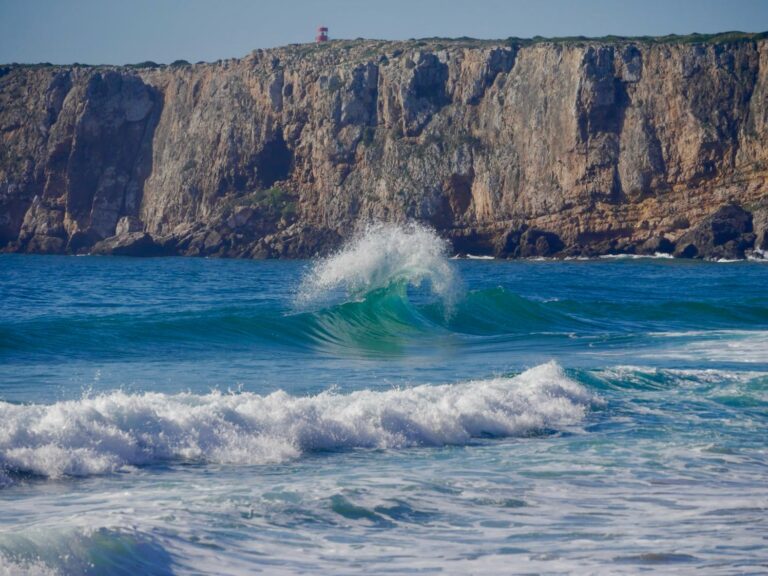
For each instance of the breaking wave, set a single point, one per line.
(381, 256)
(45, 551)
(115, 431)
(390, 286)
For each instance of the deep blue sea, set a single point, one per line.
(385, 410)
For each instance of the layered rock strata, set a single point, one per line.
(507, 148)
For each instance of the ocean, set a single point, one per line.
(387, 409)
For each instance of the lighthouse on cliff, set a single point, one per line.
(322, 34)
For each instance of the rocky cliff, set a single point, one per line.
(509, 148)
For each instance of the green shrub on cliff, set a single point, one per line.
(272, 203)
(694, 38)
(145, 64)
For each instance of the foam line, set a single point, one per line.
(113, 431)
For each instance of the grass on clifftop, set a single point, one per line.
(695, 38)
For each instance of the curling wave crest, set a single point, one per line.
(381, 256)
(114, 431)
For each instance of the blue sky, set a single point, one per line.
(125, 31)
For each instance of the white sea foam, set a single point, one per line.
(9, 567)
(744, 346)
(384, 254)
(479, 257)
(118, 430)
(758, 255)
(654, 256)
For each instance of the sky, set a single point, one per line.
(131, 31)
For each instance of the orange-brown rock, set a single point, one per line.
(516, 149)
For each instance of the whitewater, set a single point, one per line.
(386, 408)
(112, 431)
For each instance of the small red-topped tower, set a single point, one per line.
(322, 34)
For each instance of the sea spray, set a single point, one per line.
(113, 431)
(381, 256)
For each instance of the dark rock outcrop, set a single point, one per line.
(656, 245)
(725, 234)
(523, 242)
(760, 225)
(129, 244)
(508, 148)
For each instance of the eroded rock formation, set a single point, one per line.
(576, 148)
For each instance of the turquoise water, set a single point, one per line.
(384, 410)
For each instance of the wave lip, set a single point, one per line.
(115, 431)
(81, 550)
(381, 256)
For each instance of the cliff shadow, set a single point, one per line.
(112, 155)
(274, 162)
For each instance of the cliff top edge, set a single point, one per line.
(369, 47)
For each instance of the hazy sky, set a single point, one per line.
(125, 31)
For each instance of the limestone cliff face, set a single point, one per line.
(515, 150)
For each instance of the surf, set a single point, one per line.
(382, 256)
(116, 431)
